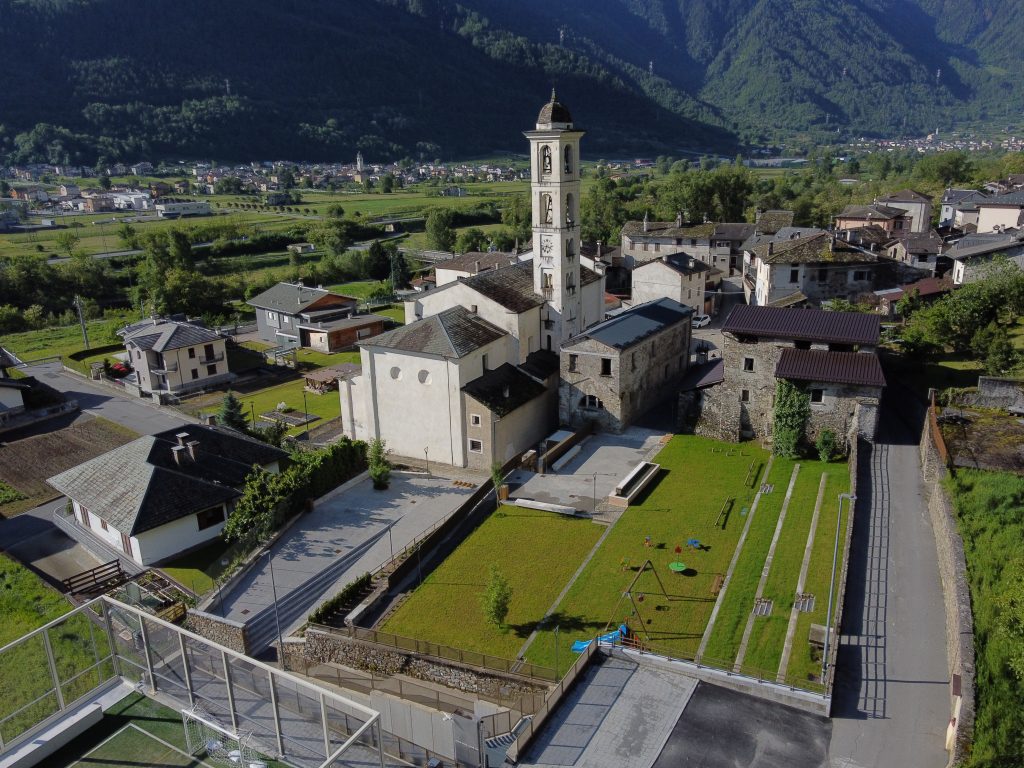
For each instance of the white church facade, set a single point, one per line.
(472, 378)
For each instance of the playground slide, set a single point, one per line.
(612, 638)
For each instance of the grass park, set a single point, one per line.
(706, 492)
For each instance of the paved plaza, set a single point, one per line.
(349, 533)
(619, 715)
(602, 463)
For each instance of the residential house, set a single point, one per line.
(927, 289)
(830, 355)
(182, 209)
(162, 495)
(617, 370)
(282, 309)
(12, 397)
(338, 335)
(647, 240)
(973, 253)
(469, 264)
(895, 221)
(952, 202)
(812, 269)
(996, 214)
(172, 356)
(921, 251)
(674, 276)
(917, 206)
(68, 191)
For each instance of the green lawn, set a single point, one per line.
(199, 570)
(326, 406)
(764, 649)
(538, 552)
(360, 289)
(739, 596)
(47, 342)
(990, 516)
(698, 476)
(26, 601)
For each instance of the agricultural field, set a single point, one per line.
(537, 552)
(64, 340)
(26, 463)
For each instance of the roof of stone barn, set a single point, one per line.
(161, 335)
(871, 212)
(906, 196)
(636, 324)
(803, 325)
(290, 298)
(454, 333)
(504, 389)
(830, 367)
(770, 222)
(141, 486)
(511, 286)
(815, 249)
(554, 111)
(540, 364)
(680, 262)
(669, 229)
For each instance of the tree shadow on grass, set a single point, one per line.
(566, 624)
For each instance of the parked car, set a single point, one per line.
(699, 321)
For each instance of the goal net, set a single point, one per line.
(217, 744)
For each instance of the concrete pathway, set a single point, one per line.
(347, 535)
(100, 400)
(742, 652)
(732, 564)
(794, 614)
(33, 539)
(618, 715)
(891, 698)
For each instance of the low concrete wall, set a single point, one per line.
(957, 598)
(230, 634)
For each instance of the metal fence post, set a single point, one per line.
(187, 670)
(323, 722)
(110, 637)
(148, 654)
(231, 693)
(53, 669)
(277, 716)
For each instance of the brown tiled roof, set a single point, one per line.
(477, 261)
(820, 248)
(870, 212)
(803, 324)
(790, 300)
(454, 333)
(770, 222)
(635, 229)
(511, 287)
(504, 389)
(856, 368)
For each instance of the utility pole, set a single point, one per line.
(81, 321)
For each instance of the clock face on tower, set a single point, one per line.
(546, 246)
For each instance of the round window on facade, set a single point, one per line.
(424, 377)
(396, 373)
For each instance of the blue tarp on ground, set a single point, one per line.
(612, 638)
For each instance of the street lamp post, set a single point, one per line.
(277, 616)
(426, 457)
(556, 650)
(305, 412)
(832, 585)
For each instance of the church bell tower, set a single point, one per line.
(555, 200)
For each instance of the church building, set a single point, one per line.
(473, 376)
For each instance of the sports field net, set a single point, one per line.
(218, 744)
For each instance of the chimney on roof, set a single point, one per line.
(679, 218)
(300, 284)
(191, 445)
(476, 266)
(472, 308)
(209, 419)
(771, 247)
(598, 251)
(646, 224)
(506, 392)
(181, 437)
(176, 451)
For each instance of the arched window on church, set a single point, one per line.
(547, 209)
(569, 220)
(568, 159)
(570, 249)
(545, 159)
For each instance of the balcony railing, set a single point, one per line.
(215, 358)
(167, 368)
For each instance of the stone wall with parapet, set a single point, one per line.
(325, 647)
(957, 598)
(230, 634)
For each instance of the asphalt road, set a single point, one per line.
(99, 400)
(891, 698)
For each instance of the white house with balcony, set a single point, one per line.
(171, 356)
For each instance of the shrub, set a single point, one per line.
(380, 467)
(826, 445)
(497, 598)
(792, 409)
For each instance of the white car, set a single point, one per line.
(699, 321)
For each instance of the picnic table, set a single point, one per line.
(677, 566)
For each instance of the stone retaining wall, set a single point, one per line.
(230, 634)
(322, 647)
(956, 596)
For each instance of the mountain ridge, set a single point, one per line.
(110, 79)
